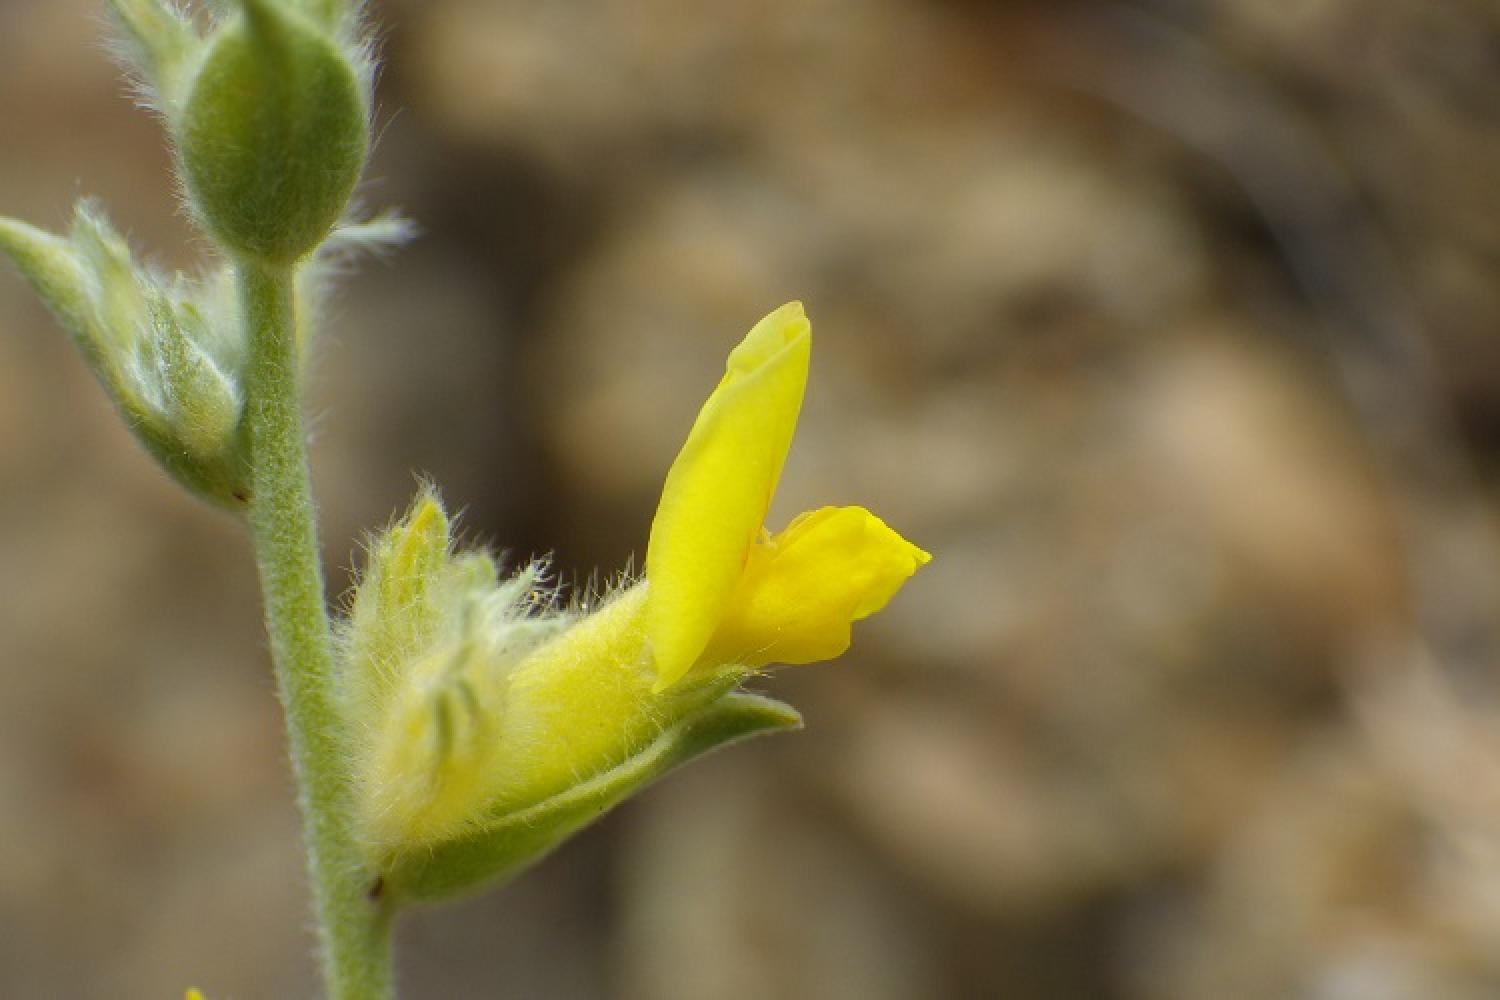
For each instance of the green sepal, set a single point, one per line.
(222, 479)
(120, 317)
(396, 608)
(506, 845)
(274, 133)
(51, 265)
(163, 45)
(201, 401)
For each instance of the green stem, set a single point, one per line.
(354, 928)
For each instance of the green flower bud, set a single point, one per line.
(165, 352)
(274, 133)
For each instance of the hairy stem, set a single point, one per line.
(354, 928)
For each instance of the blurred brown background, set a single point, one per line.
(1169, 327)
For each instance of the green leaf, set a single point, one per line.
(505, 846)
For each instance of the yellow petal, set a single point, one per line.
(718, 490)
(804, 587)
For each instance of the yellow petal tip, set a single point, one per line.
(777, 331)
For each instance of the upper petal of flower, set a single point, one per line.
(804, 587)
(719, 489)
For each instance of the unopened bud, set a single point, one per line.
(171, 364)
(274, 133)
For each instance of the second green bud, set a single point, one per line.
(274, 132)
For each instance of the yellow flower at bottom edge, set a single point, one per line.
(720, 590)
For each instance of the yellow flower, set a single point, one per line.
(486, 730)
(720, 591)
(720, 597)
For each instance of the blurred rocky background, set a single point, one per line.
(1170, 327)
